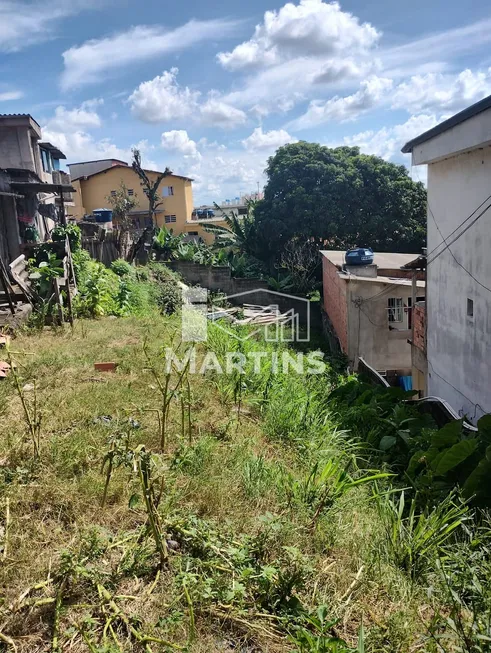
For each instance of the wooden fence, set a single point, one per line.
(107, 246)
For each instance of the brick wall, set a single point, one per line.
(334, 301)
(419, 316)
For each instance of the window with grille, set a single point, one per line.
(131, 191)
(395, 309)
(170, 218)
(113, 193)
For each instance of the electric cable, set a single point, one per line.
(447, 245)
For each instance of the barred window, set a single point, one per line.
(395, 309)
(170, 218)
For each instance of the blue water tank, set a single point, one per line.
(359, 256)
(103, 215)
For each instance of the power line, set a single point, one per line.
(460, 225)
(453, 255)
(447, 245)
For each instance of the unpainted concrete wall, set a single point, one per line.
(458, 345)
(16, 149)
(369, 334)
(249, 291)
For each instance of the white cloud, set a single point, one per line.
(279, 88)
(438, 47)
(69, 130)
(216, 113)
(96, 59)
(432, 92)
(388, 141)
(81, 146)
(23, 24)
(8, 96)
(343, 109)
(442, 92)
(269, 140)
(83, 117)
(162, 99)
(311, 28)
(178, 141)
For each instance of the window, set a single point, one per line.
(131, 192)
(395, 309)
(168, 191)
(46, 160)
(470, 307)
(170, 218)
(192, 233)
(113, 193)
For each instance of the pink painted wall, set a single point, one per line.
(334, 301)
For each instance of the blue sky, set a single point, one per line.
(211, 89)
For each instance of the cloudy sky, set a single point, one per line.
(211, 89)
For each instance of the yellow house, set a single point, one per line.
(94, 187)
(94, 181)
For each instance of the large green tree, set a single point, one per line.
(342, 199)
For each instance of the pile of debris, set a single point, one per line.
(251, 314)
(4, 366)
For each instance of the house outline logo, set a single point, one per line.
(288, 328)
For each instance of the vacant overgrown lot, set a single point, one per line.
(146, 511)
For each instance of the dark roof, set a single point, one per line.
(417, 264)
(100, 172)
(42, 187)
(444, 126)
(56, 153)
(97, 161)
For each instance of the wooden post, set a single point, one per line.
(7, 287)
(63, 216)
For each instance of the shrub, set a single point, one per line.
(73, 232)
(122, 268)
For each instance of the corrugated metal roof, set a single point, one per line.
(19, 115)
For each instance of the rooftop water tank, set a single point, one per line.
(359, 256)
(103, 215)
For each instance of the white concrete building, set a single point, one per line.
(458, 302)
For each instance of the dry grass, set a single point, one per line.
(55, 501)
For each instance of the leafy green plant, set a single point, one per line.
(166, 244)
(122, 268)
(150, 476)
(326, 482)
(73, 232)
(417, 538)
(281, 283)
(44, 275)
(316, 636)
(465, 569)
(453, 457)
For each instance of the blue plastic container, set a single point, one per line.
(358, 256)
(103, 215)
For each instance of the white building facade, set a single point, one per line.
(458, 288)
